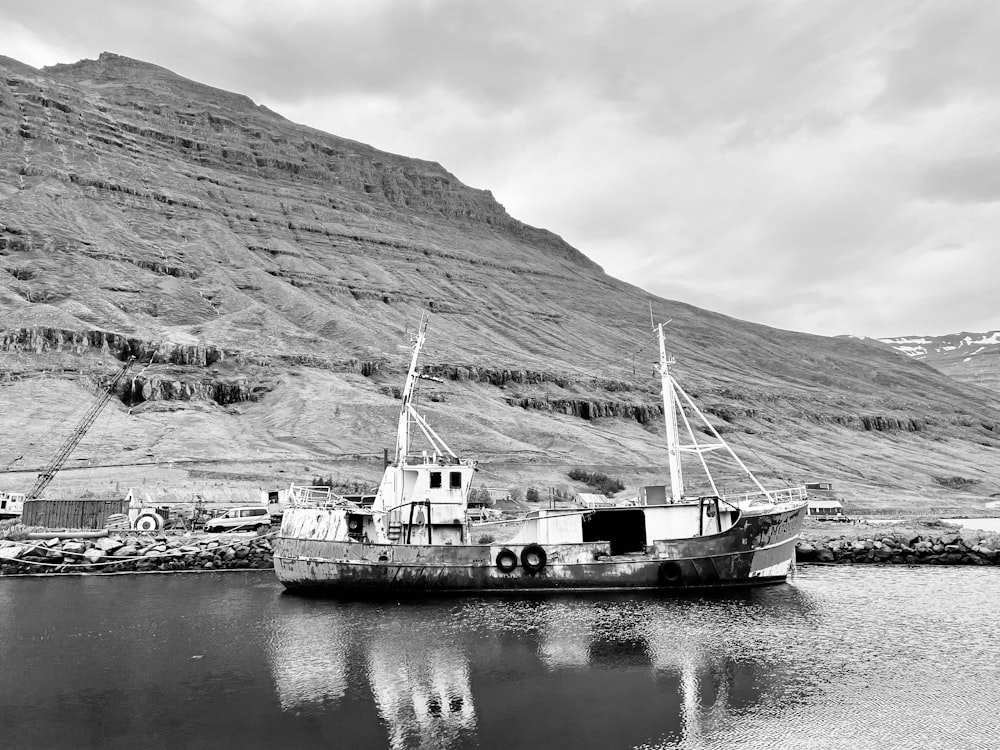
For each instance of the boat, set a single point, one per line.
(416, 535)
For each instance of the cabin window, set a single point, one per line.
(3, 503)
(272, 497)
(455, 480)
(435, 480)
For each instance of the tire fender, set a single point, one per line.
(670, 573)
(533, 558)
(506, 560)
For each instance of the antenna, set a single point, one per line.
(651, 323)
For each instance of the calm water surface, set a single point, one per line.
(983, 524)
(861, 657)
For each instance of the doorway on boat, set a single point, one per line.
(624, 529)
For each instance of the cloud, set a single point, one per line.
(970, 179)
(800, 164)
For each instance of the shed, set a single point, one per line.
(827, 509)
(826, 486)
(70, 514)
(593, 500)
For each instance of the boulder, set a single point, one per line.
(8, 554)
(824, 555)
(127, 551)
(74, 548)
(93, 555)
(109, 544)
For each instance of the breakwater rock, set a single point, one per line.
(133, 553)
(946, 549)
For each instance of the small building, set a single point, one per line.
(593, 500)
(824, 486)
(827, 509)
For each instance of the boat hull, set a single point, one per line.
(757, 550)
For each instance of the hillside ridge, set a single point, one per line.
(268, 276)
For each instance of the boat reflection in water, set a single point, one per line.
(311, 668)
(567, 671)
(423, 694)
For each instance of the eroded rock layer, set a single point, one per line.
(266, 276)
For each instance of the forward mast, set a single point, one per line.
(674, 401)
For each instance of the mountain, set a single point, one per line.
(268, 274)
(969, 357)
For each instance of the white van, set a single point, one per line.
(249, 518)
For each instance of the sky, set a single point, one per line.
(823, 166)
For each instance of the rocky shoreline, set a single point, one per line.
(944, 549)
(133, 553)
(162, 553)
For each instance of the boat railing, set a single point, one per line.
(783, 495)
(318, 497)
(436, 459)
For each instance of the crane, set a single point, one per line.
(45, 476)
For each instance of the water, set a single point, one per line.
(861, 657)
(983, 524)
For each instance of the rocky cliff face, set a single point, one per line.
(266, 276)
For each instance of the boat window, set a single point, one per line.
(435, 480)
(455, 480)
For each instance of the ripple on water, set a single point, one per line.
(844, 656)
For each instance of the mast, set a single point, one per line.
(670, 420)
(403, 426)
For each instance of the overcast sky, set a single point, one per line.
(830, 167)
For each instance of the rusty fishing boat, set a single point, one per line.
(417, 534)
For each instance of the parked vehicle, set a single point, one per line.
(250, 518)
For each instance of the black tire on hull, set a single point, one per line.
(533, 558)
(670, 573)
(506, 560)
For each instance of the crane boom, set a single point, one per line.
(45, 476)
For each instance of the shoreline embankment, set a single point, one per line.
(134, 553)
(73, 553)
(943, 548)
